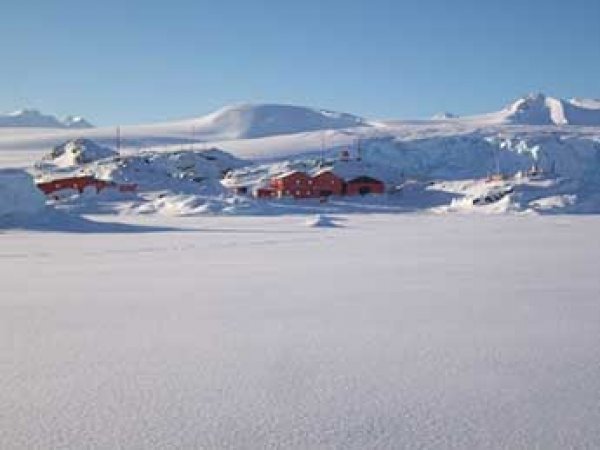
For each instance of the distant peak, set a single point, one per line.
(76, 122)
(444, 116)
(535, 96)
(33, 118)
(25, 112)
(540, 109)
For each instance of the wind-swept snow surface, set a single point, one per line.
(395, 331)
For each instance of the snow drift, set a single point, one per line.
(18, 194)
(321, 221)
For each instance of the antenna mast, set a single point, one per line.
(118, 139)
(498, 162)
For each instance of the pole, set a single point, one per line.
(498, 162)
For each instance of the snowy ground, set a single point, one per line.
(387, 331)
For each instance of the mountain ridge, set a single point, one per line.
(33, 118)
(540, 109)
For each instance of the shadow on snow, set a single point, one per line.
(58, 221)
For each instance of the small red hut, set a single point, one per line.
(80, 183)
(293, 184)
(326, 183)
(77, 183)
(364, 185)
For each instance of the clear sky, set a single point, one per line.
(139, 61)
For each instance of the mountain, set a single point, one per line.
(260, 120)
(444, 116)
(76, 122)
(77, 152)
(35, 119)
(539, 109)
(589, 103)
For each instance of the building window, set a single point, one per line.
(298, 193)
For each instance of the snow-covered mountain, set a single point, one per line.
(589, 103)
(76, 122)
(444, 116)
(77, 152)
(260, 120)
(35, 119)
(539, 109)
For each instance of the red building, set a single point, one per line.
(77, 183)
(80, 183)
(364, 185)
(293, 184)
(323, 184)
(326, 183)
(265, 192)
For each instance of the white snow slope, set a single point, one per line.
(252, 121)
(394, 331)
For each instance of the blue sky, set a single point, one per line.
(154, 60)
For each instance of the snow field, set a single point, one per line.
(393, 331)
